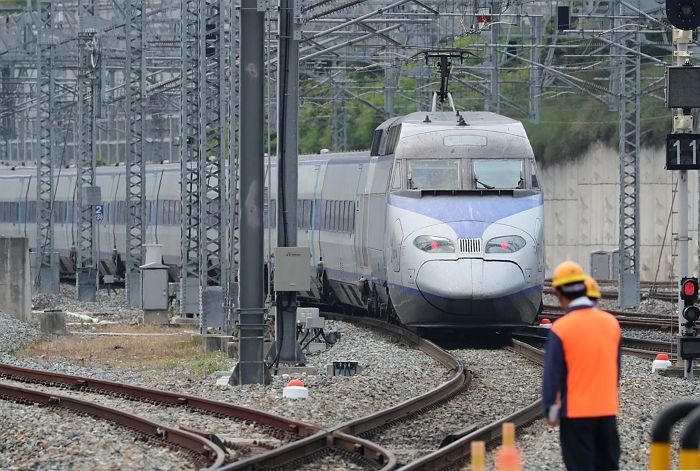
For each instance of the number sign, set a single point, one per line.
(99, 212)
(682, 152)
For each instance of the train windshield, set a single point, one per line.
(492, 174)
(442, 174)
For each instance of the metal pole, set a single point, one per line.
(251, 367)
(682, 123)
(287, 347)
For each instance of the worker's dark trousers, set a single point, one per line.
(590, 444)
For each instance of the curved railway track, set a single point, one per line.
(203, 451)
(281, 428)
(312, 442)
(455, 452)
(299, 452)
(460, 450)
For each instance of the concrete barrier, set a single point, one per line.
(15, 277)
(53, 322)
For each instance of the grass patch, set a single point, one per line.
(140, 353)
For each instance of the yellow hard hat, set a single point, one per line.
(592, 290)
(566, 273)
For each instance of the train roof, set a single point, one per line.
(450, 119)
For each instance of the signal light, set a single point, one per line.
(683, 14)
(691, 314)
(689, 290)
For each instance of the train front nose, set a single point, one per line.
(467, 286)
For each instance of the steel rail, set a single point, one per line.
(341, 436)
(643, 348)
(459, 450)
(627, 319)
(210, 406)
(206, 451)
(652, 346)
(459, 380)
(301, 450)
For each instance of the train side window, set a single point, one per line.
(177, 211)
(352, 217)
(338, 216)
(307, 214)
(334, 215)
(376, 141)
(396, 178)
(533, 174)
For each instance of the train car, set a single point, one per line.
(440, 225)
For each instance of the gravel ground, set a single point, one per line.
(394, 373)
(339, 460)
(226, 429)
(110, 306)
(51, 439)
(502, 383)
(642, 396)
(647, 334)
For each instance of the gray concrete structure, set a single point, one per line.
(581, 211)
(53, 322)
(15, 277)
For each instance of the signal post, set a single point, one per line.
(682, 155)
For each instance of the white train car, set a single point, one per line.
(440, 225)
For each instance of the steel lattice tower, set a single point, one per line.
(45, 280)
(189, 158)
(85, 162)
(211, 157)
(629, 101)
(135, 164)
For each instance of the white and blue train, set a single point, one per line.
(440, 225)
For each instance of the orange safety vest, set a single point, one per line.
(590, 343)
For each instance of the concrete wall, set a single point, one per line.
(15, 281)
(581, 211)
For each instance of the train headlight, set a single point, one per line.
(505, 244)
(434, 244)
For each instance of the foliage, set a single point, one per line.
(570, 119)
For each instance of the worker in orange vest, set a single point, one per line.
(581, 376)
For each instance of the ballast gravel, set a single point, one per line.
(41, 438)
(392, 373)
(502, 382)
(109, 305)
(642, 396)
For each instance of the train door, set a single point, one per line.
(361, 220)
(361, 231)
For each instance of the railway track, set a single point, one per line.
(460, 450)
(644, 348)
(225, 422)
(297, 453)
(457, 451)
(626, 318)
(307, 443)
(664, 291)
(202, 449)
